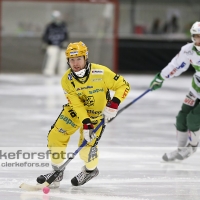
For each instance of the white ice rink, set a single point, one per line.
(131, 147)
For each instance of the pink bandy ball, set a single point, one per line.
(46, 190)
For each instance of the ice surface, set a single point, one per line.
(130, 150)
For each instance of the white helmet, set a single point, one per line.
(195, 29)
(56, 14)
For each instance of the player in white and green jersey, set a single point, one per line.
(188, 118)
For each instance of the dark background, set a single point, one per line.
(147, 55)
(135, 56)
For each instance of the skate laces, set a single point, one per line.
(58, 179)
(46, 176)
(81, 176)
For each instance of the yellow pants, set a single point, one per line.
(66, 125)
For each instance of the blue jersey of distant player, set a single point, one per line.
(55, 34)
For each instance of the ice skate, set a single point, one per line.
(185, 152)
(42, 178)
(170, 156)
(84, 176)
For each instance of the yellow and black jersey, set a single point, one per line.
(89, 98)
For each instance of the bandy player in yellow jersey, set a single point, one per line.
(86, 86)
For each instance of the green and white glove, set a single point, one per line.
(157, 82)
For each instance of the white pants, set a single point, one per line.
(55, 58)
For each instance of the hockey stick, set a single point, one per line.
(52, 178)
(132, 102)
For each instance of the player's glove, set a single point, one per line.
(88, 129)
(110, 110)
(157, 82)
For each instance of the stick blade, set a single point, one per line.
(28, 187)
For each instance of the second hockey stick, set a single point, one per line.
(132, 102)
